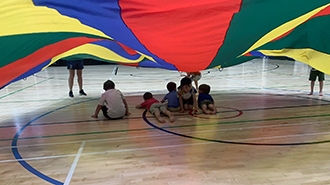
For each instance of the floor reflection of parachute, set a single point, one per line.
(172, 34)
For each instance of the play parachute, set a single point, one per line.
(183, 35)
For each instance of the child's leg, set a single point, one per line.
(158, 117)
(105, 111)
(213, 108)
(190, 103)
(186, 107)
(71, 77)
(312, 87)
(196, 84)
(321, 87)
(204, 108)
(169, 114)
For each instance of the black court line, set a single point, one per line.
(227, 111)
(228, 142)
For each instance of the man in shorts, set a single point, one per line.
(312, 77)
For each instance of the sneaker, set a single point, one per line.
(71, 94)
(82, 93)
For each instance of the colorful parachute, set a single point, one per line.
(182, 35)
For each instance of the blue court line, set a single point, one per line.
(19, 157)
(228, 142)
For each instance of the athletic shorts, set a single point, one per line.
(197, 77)
(159, 106)
(105, 113)
(75, 64)
(174, 109)
(205, 102)
(314, 74)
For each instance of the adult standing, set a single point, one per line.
(312, 77)
(78, 66)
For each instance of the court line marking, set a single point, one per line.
(227, 141)
(160, 147)
(166, 134)
(177, 115)
(37, 158)
(245, 110)
(153, 128)
(31, 169)
(26, 165)
(22, 89)
(109, 151)
(74, 164)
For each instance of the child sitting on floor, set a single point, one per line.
(205, 100)
(112, 102)
(173, 103)
(155, 107)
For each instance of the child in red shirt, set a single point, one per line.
(155, 108)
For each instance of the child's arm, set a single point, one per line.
(195, 103)
(126, 106)
(181, 104)
(97, 110)
(138, 106)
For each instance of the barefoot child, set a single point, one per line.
(155, 107)
(205, 100)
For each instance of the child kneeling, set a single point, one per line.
(155, 108)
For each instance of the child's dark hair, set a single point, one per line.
(108, 85)
(171, 86)
(204, 88)
(185, 81)
(147, 95)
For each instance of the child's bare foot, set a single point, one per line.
(311, 93)
(172, 119)
(162, 120)
(214, 112)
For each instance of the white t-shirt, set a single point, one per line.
(113, 99)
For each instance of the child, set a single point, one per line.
(187, 97)
(112, 102)
(194, 76)
(155, 108)
(205, 101)
(173, 103)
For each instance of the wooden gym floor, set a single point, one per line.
(267, 130)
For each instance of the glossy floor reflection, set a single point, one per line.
(267, 129)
